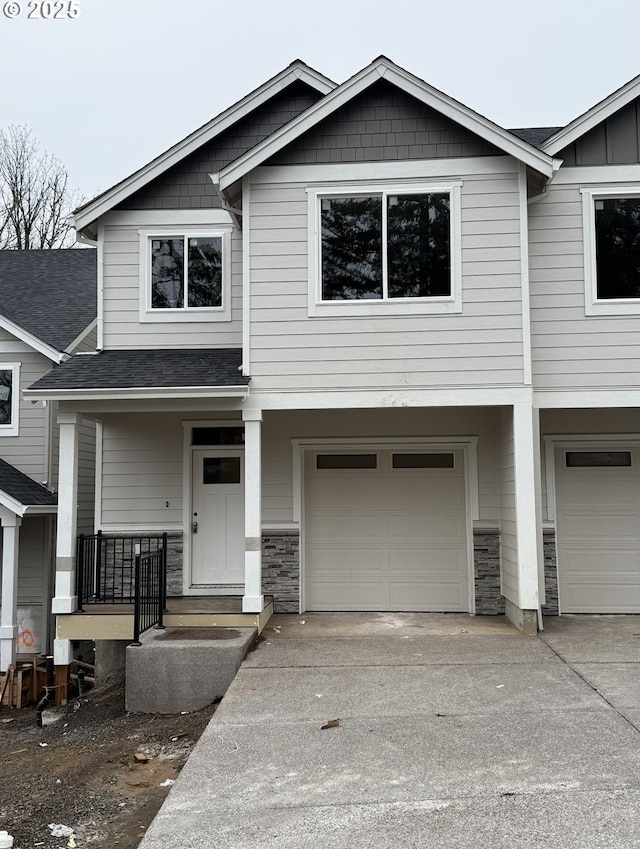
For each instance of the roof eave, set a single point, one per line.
(383, 68)
(137, 393)
(592, 117)
(20, 509)
(86, 215)
(31, 340)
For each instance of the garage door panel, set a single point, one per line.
(600, 525)
(341, 526)
(405, 596)
(345, 493)
(427, 527)
(615, 562)
(598, 537)
(393, 539)
(424, 565)
(410, 493)
(591, 597)
(621, 490)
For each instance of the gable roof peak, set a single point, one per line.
(598, 113)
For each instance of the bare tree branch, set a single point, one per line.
(35, 201)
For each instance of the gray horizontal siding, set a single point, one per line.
(383, 123)
(569, 348)
(482, 345)
(26, 451)
(187, 185)
(121, 301)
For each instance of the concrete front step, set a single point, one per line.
(183, 668)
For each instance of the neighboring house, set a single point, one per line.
(47, 313)
(362, 349)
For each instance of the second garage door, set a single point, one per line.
(386, 530)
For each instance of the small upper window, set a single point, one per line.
(185, 276)
(9, 382)
(612, 250)
(186, 272)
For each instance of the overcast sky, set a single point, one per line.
(111, 89)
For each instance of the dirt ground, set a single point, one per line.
(80, 770)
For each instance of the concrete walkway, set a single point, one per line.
(454, 732)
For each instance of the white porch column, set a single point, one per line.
(526, 437)
(9, 619)
(253, 600)
(65, 599)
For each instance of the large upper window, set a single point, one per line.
(9, 396)
(612, 250)
(185, 276)
(391, 247)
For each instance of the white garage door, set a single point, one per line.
(386, 530)
(598, 527)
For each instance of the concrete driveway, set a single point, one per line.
(453, 731)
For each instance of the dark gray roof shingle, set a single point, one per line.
(162, 368)
(534, 136)
(50, 293)
(21, 488)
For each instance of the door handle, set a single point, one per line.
(194, 527)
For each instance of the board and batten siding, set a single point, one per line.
(482, 345)
(122, 328)
(571, 350)
(509, 582)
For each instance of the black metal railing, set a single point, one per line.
(150, 570)
(114, 569)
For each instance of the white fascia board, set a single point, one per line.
(138, 393)
(81, 336)
(32, 341)
(381, 68)
(571, 399)
(592, 117)
(86, 215)
(20, 509)
(40, 509)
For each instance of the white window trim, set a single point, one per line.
(12, 429)
(184, 314)
(608, 306)
(391, 306)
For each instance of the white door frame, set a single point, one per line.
(187, 495)
(586, 441)
(468, 445)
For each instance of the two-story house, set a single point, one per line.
(361, 349)
(47, 313)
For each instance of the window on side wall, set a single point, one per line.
(9, 398)
(612, 250)
(185, 276)
(392, 249)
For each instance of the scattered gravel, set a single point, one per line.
(85, 777)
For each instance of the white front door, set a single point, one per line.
(598, 529)
(217, 520)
